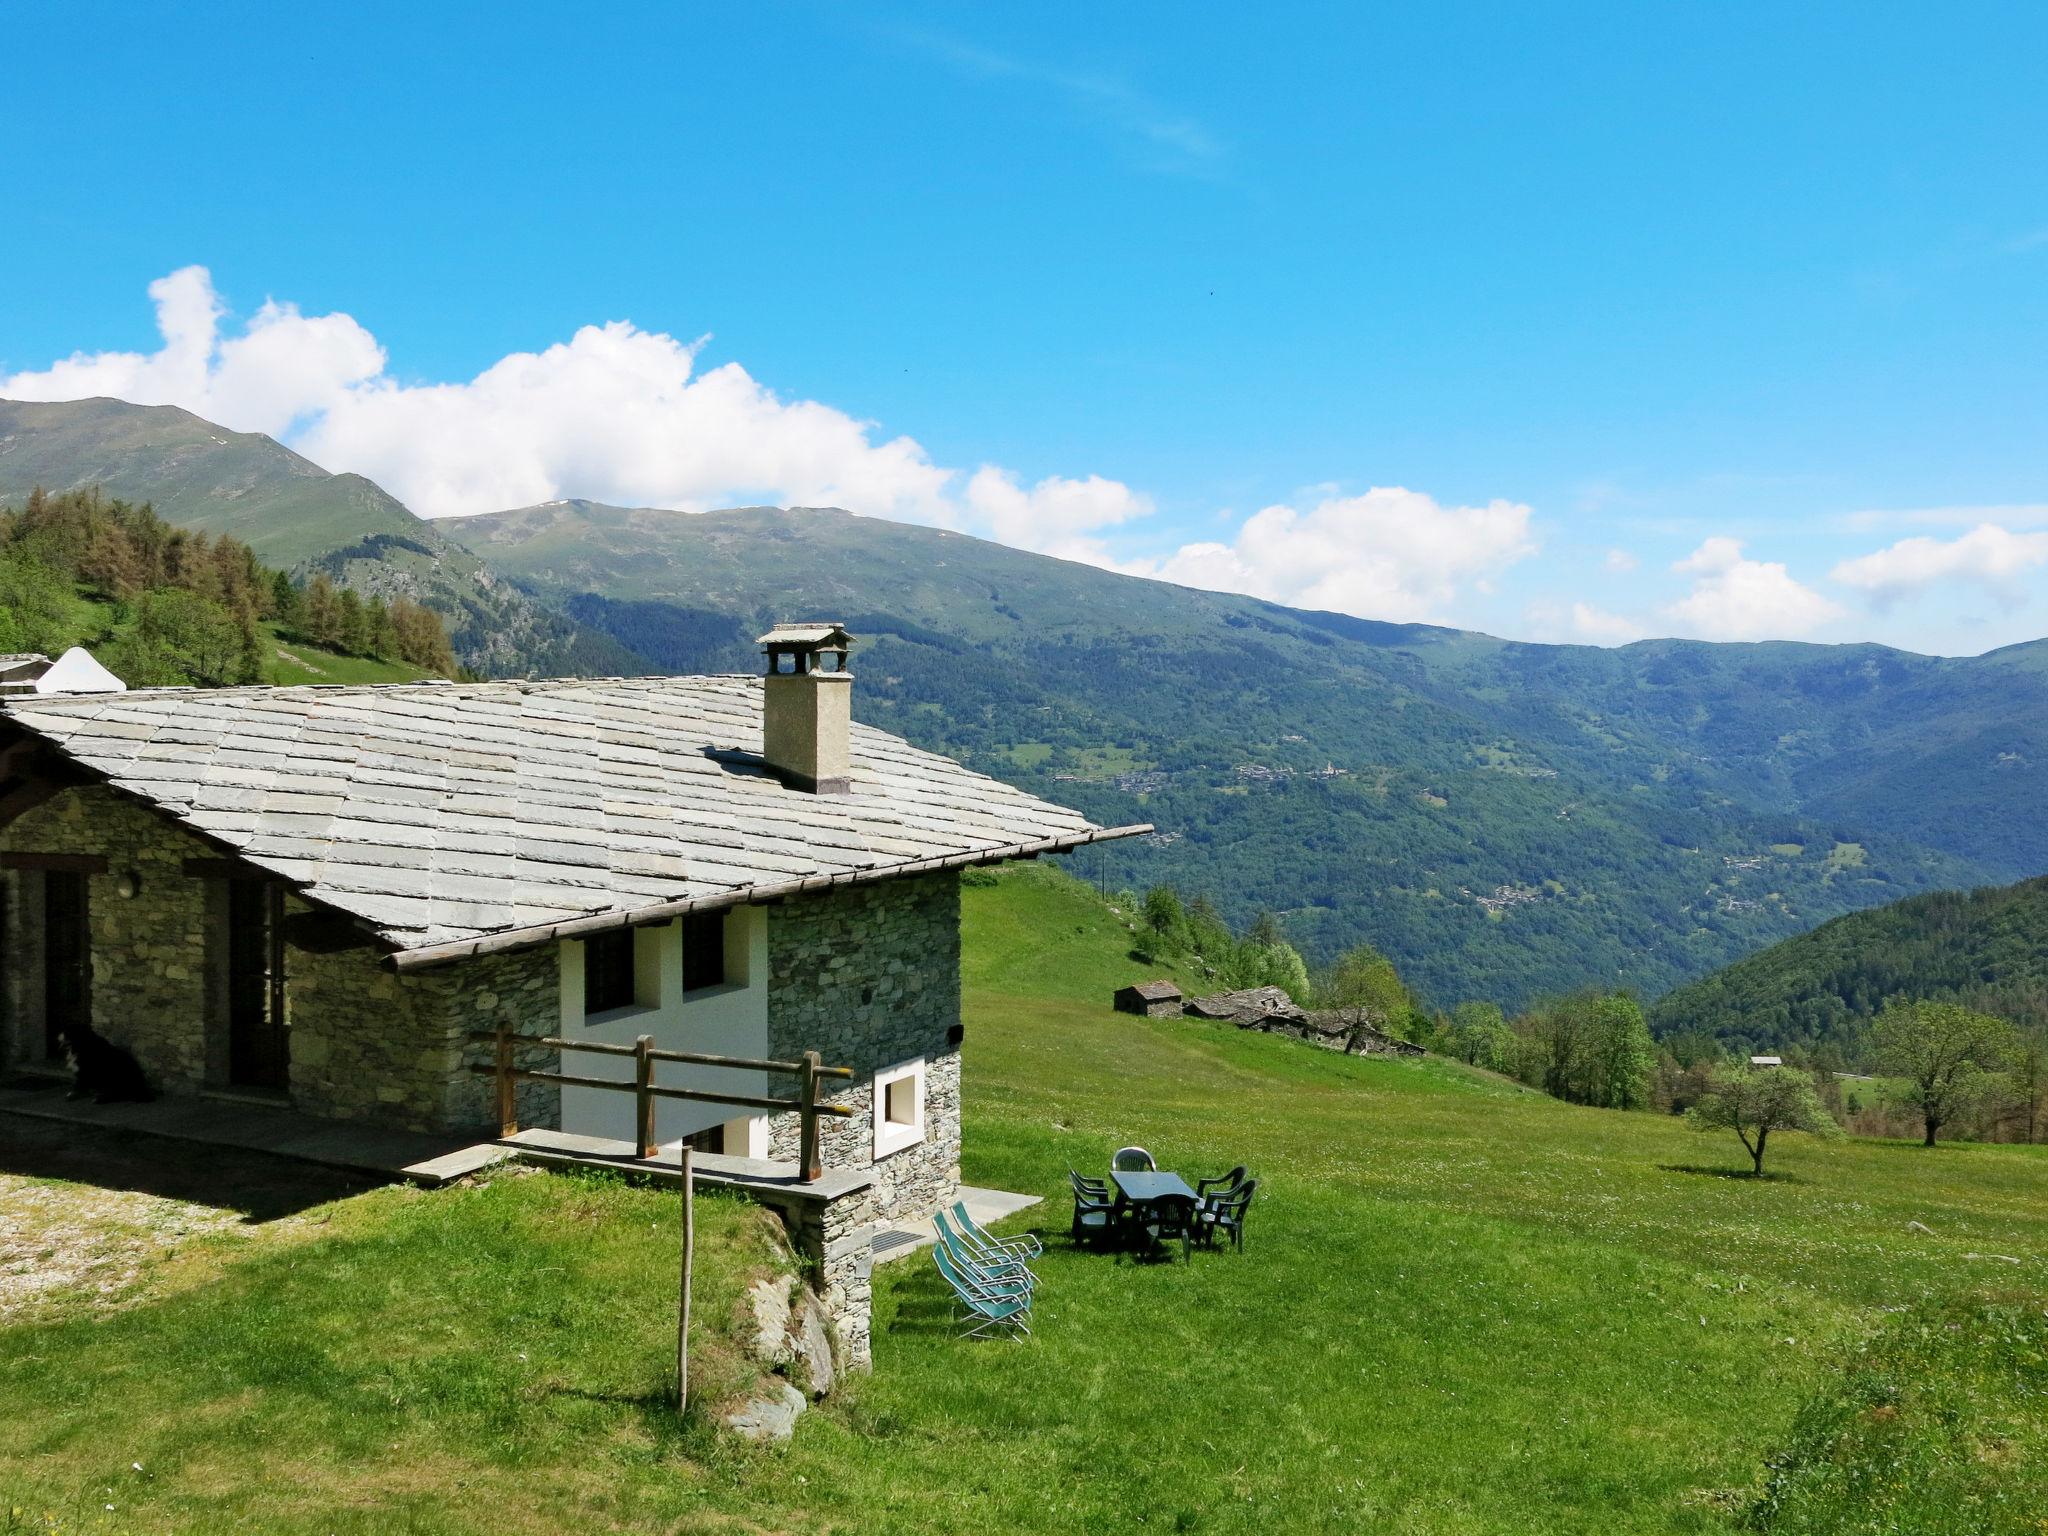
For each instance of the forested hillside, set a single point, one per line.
(164, 607)
(1986, 949)
(295, 515)
(1505, 821)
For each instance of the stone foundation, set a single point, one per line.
(834, 1230)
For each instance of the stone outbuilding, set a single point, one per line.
(320, 896)
(1151, 999)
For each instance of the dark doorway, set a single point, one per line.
(258, 1053)
(67, 957)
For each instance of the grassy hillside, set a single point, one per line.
(293, 514)
(1462, 1308)
(1506, 820)
(1987, 949)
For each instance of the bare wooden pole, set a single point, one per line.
(643, 1094)
(508, 1103)
(689, 1245)
(807, 1109)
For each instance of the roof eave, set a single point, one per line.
(508, 940)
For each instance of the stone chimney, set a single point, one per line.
(807, 707)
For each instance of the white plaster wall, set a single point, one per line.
(730, 1020)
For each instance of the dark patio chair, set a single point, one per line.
(1133, 1160)
(1095, 1210)
(1169, 1217)
(1225, 1213)
(1205, 1189)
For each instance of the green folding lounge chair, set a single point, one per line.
(1022, 1246)
(985, 1311)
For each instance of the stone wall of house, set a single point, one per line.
(149, 973)
(869, 977)
(520, 991)
(368, 1043)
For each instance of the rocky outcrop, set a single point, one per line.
(787, 1333)
(769, 1418)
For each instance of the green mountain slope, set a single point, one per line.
(293, 514)
(1987, 949)
(1502, 819)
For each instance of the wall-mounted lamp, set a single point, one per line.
(127, 883)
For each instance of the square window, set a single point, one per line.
(899, 1101)
(608, 971)
(703, 950)
(899, 1108)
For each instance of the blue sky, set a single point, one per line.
(1562, 322)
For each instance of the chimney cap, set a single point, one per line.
(795, 637)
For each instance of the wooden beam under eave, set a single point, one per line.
(61, 863)
(225, 869)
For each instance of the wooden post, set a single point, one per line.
(508, 1102)
(689, 1244)
(810, 1167)
(643, 1099)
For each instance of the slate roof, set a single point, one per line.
(1154, 991)
(443, 812)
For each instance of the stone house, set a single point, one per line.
(1150, 999)
(319, 896)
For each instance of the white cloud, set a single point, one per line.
(624, 415)
(1388, 554)
(615, 414)
(1055, 516)
(281, 367)
(1621, 562)
(1602, 628)
(1737, 599)
(1989, 556)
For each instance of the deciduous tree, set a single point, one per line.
(1952, 1059)
(1755, 1101)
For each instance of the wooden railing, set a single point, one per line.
(645, 1091)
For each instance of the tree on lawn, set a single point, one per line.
(1951, 1058)
(1755, 1101)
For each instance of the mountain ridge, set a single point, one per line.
(292, 513)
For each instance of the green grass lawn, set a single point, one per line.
(1462, 1307)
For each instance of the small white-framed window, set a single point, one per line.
(899, 1108)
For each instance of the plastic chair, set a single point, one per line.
(1226, 1214)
